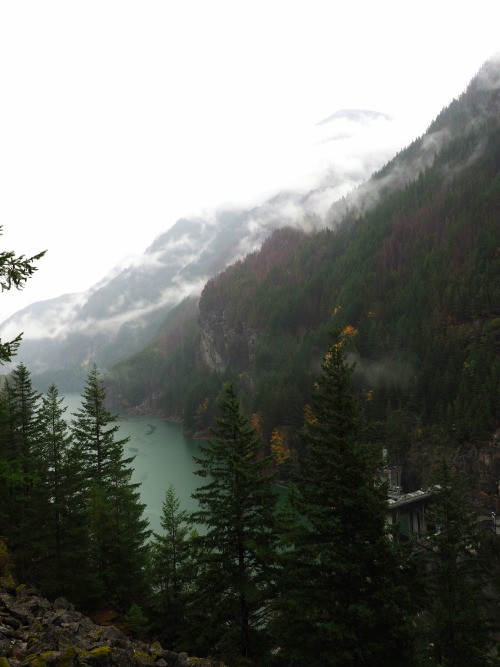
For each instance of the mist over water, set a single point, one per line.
(163, 455)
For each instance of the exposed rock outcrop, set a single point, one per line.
(34, 631)
(224, 344)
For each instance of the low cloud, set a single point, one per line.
(488, 76)
(62, 317)
(170, 296)
(187, 255)
(47, 319)
(384, 372)
(396, 174)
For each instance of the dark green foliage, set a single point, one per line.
(418, 274)
(343, 596)
(11, 490)
(23, 403)
(26, 502)
(66, 507)
(171, 571)
(172, 353)
(94, 429)
(62, 519)
(118, 533)
(200, 405)
(19, 511)
(14, 272)
(74, 532)
(136, 622)
(456, 632)
(8, 440)
(235, 581)
(67, 503)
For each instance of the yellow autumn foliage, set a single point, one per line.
(279, 444)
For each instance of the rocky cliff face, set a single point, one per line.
(224, 344)
(34, 631)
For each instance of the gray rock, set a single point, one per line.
(6, 619)
(62, 603)
(169, 657)
(20, 616)
(183, 660)
(30, 624)
(112, 636)
(9, 633)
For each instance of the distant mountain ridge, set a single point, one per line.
(411, 260)
(357, 115)
(120, 314)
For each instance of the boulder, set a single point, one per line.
(36, 632)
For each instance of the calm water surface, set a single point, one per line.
(163, 455)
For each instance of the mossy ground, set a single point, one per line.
(37, 659)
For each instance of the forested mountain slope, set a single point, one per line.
(417, 274)
(121, 314)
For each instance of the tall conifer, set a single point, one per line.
(54, 440)
(31, 500)
(457, 633)
(12, 483)
(25, 404)
(171, 570)
(118, 532)
(65, 541)
(236, 575)
(342, 597)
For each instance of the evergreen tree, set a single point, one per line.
(118, 533)
(343, 599)
(95, 429)
(14, 272)
(171, 569)
(65, 527)
(12, 484)
(236, 506)
(54, 440)
(31, 500)
(75, 531)
(8, 448)
(24, 405)
(456, 630)
(136, 622)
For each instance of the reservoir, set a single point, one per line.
(163, 455)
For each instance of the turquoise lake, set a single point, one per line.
(163, 455)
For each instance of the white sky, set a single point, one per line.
(118, 117)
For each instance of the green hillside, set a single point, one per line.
(416, 274)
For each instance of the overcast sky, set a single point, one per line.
(119, 117)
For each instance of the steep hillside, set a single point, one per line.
(119, 315)
(414, 267)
